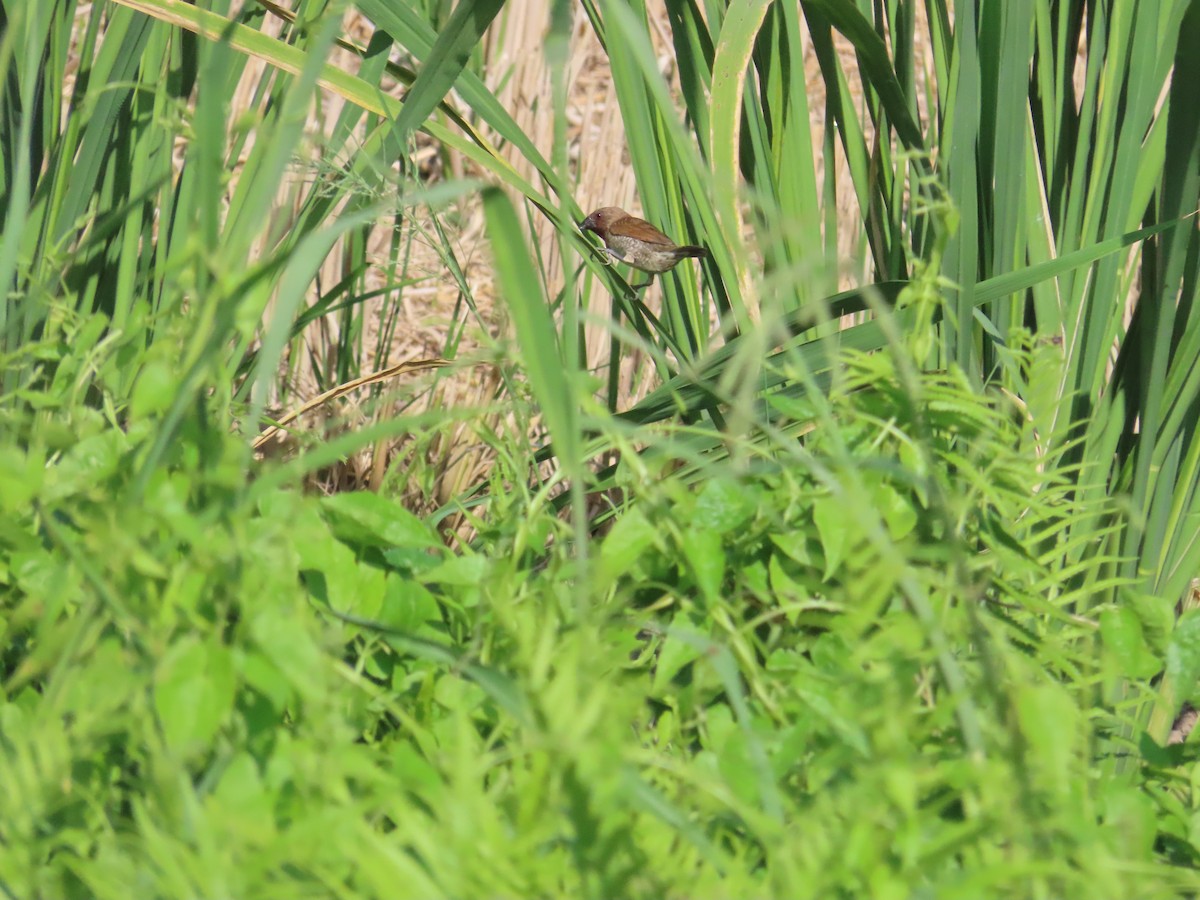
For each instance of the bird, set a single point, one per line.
(636, 241)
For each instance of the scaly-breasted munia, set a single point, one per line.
(636, 241)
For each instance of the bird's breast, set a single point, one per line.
(643, 255)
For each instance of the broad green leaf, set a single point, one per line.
(623, 546)
(838, 533)
(723, 506)
(1123, 638)
(706, 557)
(460, 571)
(365, 519)
(193, 694)
(1183, 655)
(1049, 723)
(674, 654)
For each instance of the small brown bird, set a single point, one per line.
(636, 241)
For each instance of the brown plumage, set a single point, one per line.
(636, 241)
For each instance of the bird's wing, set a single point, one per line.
(641, 230)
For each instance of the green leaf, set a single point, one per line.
(873, 55)
(552, 378)
(336, 579)
(723, 506)
(86, 466)
(285, 642)
(460, 571)
(704, 553)
(156, 387)
(730, 62)
(407, 606)
(365, 519)
(248, 807)
(193, 693)
(1049, 721)
(1157, 618)
(1123, 637)
(445, 62)
(737, 768)
(20, 479)
(674, 653)
(838, 533)
(1183, 655)
(623, 546)
(897, 511)
(504, 690)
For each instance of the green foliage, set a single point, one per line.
(883, 610)
(207, 693)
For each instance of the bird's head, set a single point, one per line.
(602, 219)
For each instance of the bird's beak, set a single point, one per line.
(587, 224)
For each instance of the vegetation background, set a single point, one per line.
(858, 560)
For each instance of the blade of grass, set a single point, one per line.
(551, 377)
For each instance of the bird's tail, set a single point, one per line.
(690, 250)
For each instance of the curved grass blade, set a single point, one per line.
(447, 60)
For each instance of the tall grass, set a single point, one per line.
(880, 592)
